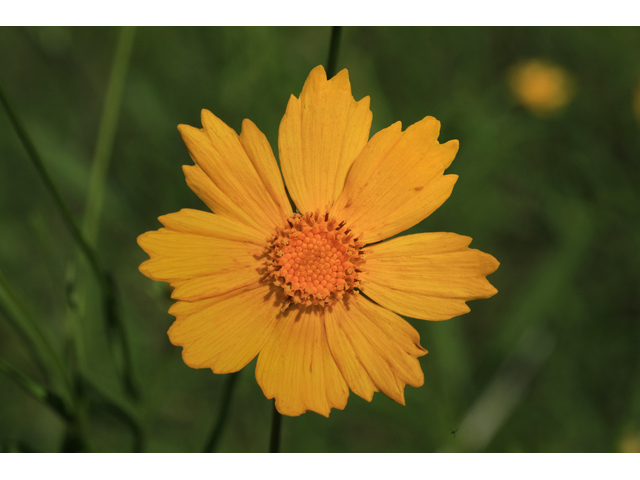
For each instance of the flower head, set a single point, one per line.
(313, 294)
(540, 86)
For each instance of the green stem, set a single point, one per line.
(274, 441)
(70, 408)
(110, 307)
(42, 350)
(333, 51)
(115, 327)
(97, 186)
(46, 178)
(104, 401)
(36, 390)
(119, 340)
(106, 134)
(216, 432)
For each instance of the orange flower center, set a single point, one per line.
(315, 260)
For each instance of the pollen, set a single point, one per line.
(315, 260)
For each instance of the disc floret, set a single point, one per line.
(315, 260)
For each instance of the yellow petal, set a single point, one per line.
(219, 283)
(427, 275)
(297, 368)
(261, 155)
(218, 202)
(236, 173)
(374, 347)
(226, 332)
(179, 256)
(211, 225)
(397, 180)
(321, 134)
(353, 371)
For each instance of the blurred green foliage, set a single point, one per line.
(550, 364)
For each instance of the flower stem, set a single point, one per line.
(37, 391)
(91, 220)
(274, 442)
(114, 323)
(333, 51)
(216, 432)
(106, 134)
(71, 407)
(102, 399)
(97, 184)
(46, 178)
(43, 351)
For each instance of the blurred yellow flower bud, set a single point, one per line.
(630, 443)
(540, 86)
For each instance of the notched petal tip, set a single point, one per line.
(184, 128)
(430, 120)
(451, 179)
(140, 238)
(451, 148)
(493, 263)
(365, 103)
(453, 144)
(145, 269)
(206, 116)
(317, 73)
(428, 128)
(316, 82)
(247, 124)
(189, 133)
(448, 150)
(214, 126)
(145, 240)
(491, 292)
(341, 80)
(395, 127)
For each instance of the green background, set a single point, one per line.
(550, 364)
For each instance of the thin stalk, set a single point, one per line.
(71, 407)
(103, 400)
(42, 350)
(91, 222)
(46, 178)
(110, 307)
(36, 390)
(120, 341)
(274, 441)
(216, 432)
(106, 134)
(333, 51)
(97, 186)
(115, 328)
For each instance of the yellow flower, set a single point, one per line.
(540, 86)
(313, 294)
